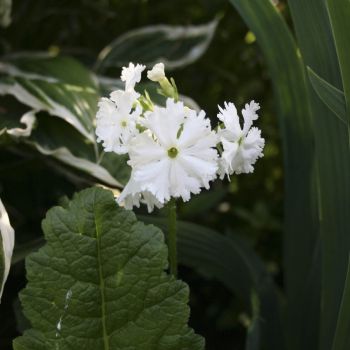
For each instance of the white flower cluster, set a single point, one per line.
(173, 149)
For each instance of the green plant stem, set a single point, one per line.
(171, 240)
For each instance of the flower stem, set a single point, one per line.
(171, 241)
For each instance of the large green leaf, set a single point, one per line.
(330, 95)
(317, 46)
(58, 85)
(339, 12)
(175, 46)
(99, 283)
(236, 265)
(342, 335)
(300, 211)
(55, 138)
(7, 241)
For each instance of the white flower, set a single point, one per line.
(156, 73)
(241, 146)
(116, 121)
(132, 75)
(132, 195)
(175, 156)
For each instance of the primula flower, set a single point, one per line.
(132, 75)
(175, 156)
(132, 195)
(116, 117)
(241, 146)
(156, 73)
(116, 121)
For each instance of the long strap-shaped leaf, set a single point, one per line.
(289, 80)
(330, 95)
(315, 37)
(342, 334)
(339, 12)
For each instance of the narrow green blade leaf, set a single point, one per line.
(330, 95)
(7, 241)
(99, 283)
(318, 49)
(339, 12)
(175, 46)
(342, 335)
(300, 227)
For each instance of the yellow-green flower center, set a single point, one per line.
(172, 152)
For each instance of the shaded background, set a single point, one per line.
(232, 69)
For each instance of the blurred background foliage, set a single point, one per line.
(232, 69)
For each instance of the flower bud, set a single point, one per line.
(156, 73)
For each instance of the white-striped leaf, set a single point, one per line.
(7, 241)
(175, 46)
(59, 85)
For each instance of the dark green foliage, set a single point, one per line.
(230, 70)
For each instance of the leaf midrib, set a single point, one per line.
(102, 286)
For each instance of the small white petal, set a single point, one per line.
(132, 195)
(124, 99)
(154, 177)
(249, 115)
(165, 123)
(229, 117)
(240, 149)
(144, 150)
(132, 75)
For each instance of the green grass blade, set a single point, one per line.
(317, 47)
(289, 80)
(339, 12)
(342, 334)
(330, 95)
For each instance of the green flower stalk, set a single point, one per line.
(172, 237)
